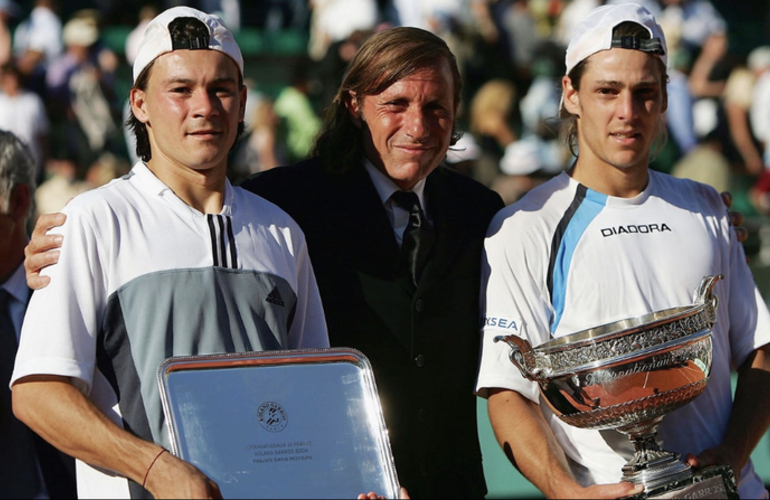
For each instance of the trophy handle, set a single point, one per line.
(704, 295)
(523, 356)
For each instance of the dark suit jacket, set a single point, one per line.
(57, 468)
(423, 344)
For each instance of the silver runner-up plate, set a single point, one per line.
(280, 424)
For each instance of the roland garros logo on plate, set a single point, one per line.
(272, 417)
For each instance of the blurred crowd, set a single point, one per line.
(61, 89)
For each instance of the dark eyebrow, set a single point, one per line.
(176, 80)
(224, 79)
(609, 83)
(617, 84)
(188, 81)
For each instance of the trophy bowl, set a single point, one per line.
(628, 375)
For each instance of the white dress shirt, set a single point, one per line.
(398, 216)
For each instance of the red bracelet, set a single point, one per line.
(151, 464)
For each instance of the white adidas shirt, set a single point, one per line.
(142, 277)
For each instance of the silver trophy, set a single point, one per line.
(627, 376)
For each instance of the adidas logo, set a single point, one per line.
(274, 297)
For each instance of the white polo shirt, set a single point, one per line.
(142, 277)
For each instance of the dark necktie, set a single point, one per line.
(418, 236)
(18, 468)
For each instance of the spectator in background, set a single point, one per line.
(743, 147)
(493, 121)
(700, 149)
(8, 10)
(709, 73)
(523, 37)
(67, 179)
(431, 15)
(759, 114)
(707, 82)
(331, 68)
(517, 155)
(453, 21)
(724, 85)
(705, 163)
(134, 38)
(299, 120)
(23, 113)
(573, 12)
(483, 47)
(37, 43)
(29, 467)
(274, 15)
(696, 20)
(539, 109)
(80, 85)
(262, 148)
(228, 10)
(679, 116)
(335, 20)
(759, 62)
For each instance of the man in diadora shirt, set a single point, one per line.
(608, 240)
(169, 260)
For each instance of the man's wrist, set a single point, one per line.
(149, 468)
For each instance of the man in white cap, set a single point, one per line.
(170, 260)
(612, 239)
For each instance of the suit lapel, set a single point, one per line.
(374, 233)
(370, 221)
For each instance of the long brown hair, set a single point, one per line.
(384, 58)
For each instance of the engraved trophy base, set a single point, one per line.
(716, 481)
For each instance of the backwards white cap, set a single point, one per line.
(594, 33)
(157, 38)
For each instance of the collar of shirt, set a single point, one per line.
(16, 286)
(399, 218)
(151, 184)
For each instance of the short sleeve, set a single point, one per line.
(512, 303)
(61, 324)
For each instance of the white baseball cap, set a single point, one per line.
(594, 33)
(157, 38)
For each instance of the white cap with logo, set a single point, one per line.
(594, 33)
(157, 38)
